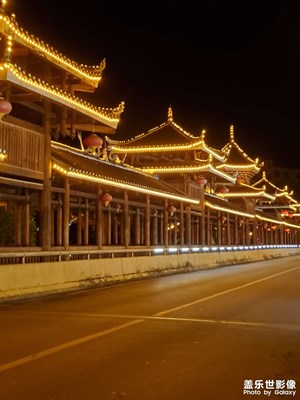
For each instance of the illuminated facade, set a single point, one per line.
(232, 210)
(65, 184)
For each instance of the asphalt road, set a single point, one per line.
(204, 335)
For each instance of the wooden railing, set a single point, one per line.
(24, 149)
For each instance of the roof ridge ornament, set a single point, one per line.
(231, 133)
(98, 69)
(2, 5)
(170, 114)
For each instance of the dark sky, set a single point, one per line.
(215, 62)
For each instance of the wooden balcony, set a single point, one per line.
(21, 151)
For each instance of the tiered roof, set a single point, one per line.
(237, 162)
(75, 163)
(167, 139)
(28, 85)
(243, 190)
(282, 197)
(90, 75)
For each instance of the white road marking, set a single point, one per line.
(66, 345)
(159, 315)
(224, 292)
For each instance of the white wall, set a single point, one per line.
(26, 280)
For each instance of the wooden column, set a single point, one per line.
(208, 226)
(236, 224)
(255, 240)
(154, 240)
(243, 232)
(182, 242)
(59, 221)
(147, 221)
(86, 223)
(228, 240)
(247, 241)
(18, 224)
(66, 213)
(281, 237)
(202, 219)
(188, 226)
(45, 204)
(108, 227)
(126, 227)
(165, 223)
(26, 219)
(137, 227)
(79, 223)
(219, 230)
(99, 218)
(115, 229)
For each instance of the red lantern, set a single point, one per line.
(222, 190)
(201, 180)
(106, 198)
(93, 142)
(5, 107)
(171, 209)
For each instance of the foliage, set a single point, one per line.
(7, 227)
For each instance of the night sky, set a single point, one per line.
(215, 62)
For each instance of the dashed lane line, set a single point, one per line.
(105, 332)
(66, 345)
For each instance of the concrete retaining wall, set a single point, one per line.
(27, 280)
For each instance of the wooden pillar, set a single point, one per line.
(108, 227)
(219, 230)
(281, 235)
(79, 223)
(181, 226)
(228, 235)
(175, 230)
(45, 204)
(247, 232)
(86, 217)
(202, 219)
(165, 223)
(99, 218)
(137, 227)
(147, 221)
(243, 228)
(26, 220)
(115, 229)
(208, 226)
(18, 225)
(59, 221)
(126, 226)
(188, 226)
(154, 240)
(66, 213)
(261, 233)
(236, 229)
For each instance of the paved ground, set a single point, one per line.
(204, 335)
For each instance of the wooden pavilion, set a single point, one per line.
(65, 184)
